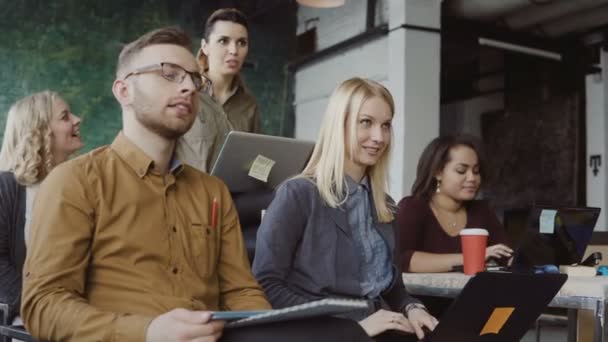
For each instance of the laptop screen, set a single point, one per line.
(497, 307)
(556, 236)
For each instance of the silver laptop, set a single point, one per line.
(278, 158)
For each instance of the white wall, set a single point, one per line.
(596, 103)
(414, 59)
(338, 24)
(314, 83)
(333, 24)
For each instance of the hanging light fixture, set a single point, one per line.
(321, 3)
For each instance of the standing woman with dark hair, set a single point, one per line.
(226, 104)
(443, 202)
(40, 133)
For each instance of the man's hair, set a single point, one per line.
(166, 35)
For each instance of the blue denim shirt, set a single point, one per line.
(375, 261)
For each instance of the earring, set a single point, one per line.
(438, 186)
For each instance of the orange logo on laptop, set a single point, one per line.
(497, 320)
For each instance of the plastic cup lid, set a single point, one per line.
(474, 231)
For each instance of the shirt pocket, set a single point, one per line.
(203, 246)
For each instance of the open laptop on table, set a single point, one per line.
(249, 161)
(497, 306)
(555, 236)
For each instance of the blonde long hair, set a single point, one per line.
(26, 148)
(326, 165)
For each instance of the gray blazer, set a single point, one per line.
(305, 251)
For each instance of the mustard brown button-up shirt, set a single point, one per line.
(201, 146)
(115, 244)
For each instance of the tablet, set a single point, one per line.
(234, 315)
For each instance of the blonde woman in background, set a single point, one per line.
(329, 231)
(40, 133)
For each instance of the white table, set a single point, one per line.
(590, 293)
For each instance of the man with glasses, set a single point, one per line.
(171, 72)
(127, 243)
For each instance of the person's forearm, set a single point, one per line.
(396, 296)
(249, 296)
(280, 295)
(10, 286)
(434, 262)
(59, 315)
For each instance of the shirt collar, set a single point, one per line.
(137, 159)
(237, 83)
(352, 185)
(175, 165)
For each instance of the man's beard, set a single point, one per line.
(150, 118)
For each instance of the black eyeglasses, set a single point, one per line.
(173, 73)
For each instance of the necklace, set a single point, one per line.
(451, 222)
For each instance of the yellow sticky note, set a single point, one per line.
(261, 167)
(497, 320)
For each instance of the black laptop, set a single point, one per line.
(497, 306)
(563, 243)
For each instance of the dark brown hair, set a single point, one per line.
(166, 35)
(224, 14)
(434, 158)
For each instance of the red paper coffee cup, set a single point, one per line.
(474, 242)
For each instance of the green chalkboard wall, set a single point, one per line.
(71, 46)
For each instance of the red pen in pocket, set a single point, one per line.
(214, 212)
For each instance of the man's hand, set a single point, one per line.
(183, 325)
(383, 320)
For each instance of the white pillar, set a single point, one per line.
(413, 78)
(597, 143)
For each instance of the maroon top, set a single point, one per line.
(420, 231)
